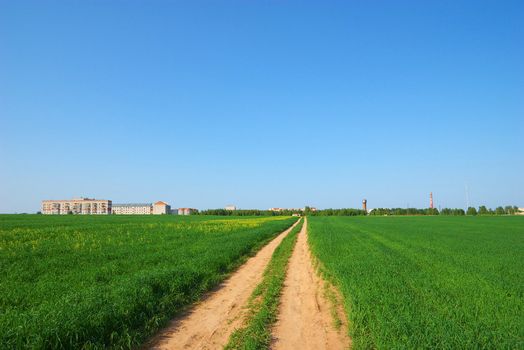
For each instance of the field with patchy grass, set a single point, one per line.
(426, 282)
(106, 281)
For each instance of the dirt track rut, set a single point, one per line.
(305, 316)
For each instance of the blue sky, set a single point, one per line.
(262, 103)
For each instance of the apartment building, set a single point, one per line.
(79, 206)
(133, 209)
(157, 208)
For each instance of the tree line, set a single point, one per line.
(471, 211)
(337, 212)
(284, 212)
(246, 212)
(483, 210)
(404, 211)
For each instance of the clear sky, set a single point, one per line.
(262, 103)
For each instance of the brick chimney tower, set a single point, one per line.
(431, 200)
(365, 205)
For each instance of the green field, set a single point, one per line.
(85, 281)
(427, 282)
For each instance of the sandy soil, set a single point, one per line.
(209, 324)
(305, 316)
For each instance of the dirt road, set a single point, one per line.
(305, 316)
(210, 323)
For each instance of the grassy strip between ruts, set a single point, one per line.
(263, 304)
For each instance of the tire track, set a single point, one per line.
(305, 319)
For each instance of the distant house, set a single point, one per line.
(161, 208)
(275, 209)
(292, 209)
(520, 211)
(231, 207)
(187, 211)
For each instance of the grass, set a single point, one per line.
(330, 295)
(426, 282)
(263, 305)
(106, 281)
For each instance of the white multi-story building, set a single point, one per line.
(231, 207)
(81, 206)
(157, 208)
(133, 209)
(161, 208)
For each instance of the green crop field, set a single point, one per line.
(427, 282)
(106, 281)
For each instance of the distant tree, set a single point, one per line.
(483, 210)
(500, 211)
(454, 212)
(431, 211)
(472, 211)
(39, 212)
